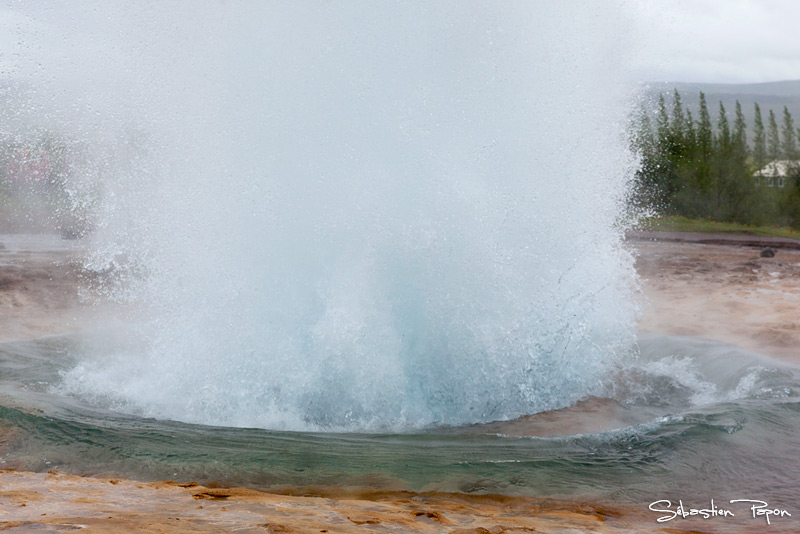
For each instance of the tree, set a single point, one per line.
(723, 168)
(691, 134)
(678, 124)
(773, 138)
(656, 178)
(643, 140)
(704, 145)
(662, 121)
(704, 136)
(740, 133)
(759, 139)
(701, 169)
(789, 141)
(723, 129)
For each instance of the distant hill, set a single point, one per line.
(771, 95)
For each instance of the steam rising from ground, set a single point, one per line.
(354, 217)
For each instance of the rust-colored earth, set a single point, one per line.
(725, 293)
(722, 292)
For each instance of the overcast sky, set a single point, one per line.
(731, 41)
(680, 40)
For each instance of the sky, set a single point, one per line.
(726, 41)
(719, 41)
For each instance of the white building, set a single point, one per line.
(776, 173)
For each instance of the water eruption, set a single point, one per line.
(409, 216)
(350, 248)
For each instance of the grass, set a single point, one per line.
(683, 224)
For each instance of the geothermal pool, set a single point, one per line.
(688, 409)
(374, 246)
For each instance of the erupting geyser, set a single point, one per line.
(356, 217)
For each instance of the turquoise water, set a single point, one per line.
(687, 409)
(403, 220)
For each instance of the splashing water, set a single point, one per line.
(354, 217)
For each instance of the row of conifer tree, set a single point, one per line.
(699, 169)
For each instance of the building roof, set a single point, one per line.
(779, 168)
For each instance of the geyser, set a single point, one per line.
(357, 217)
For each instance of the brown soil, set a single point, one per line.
(727, 293)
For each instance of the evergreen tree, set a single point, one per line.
(643, 139)
(662, 121)
(678, 124)
(723, 129)
(759, 139)
(740, 132)
(789, 141)
(656, 179)
(704, 145)
(691, 134)
(704, 136)
(724, 179)
(773, 138)
(735, 188)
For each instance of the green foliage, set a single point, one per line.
(691, 169)
(759, 140)
(723, 130)
(788, 141)
(740, 133)
(773, 138)
(675, 223)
